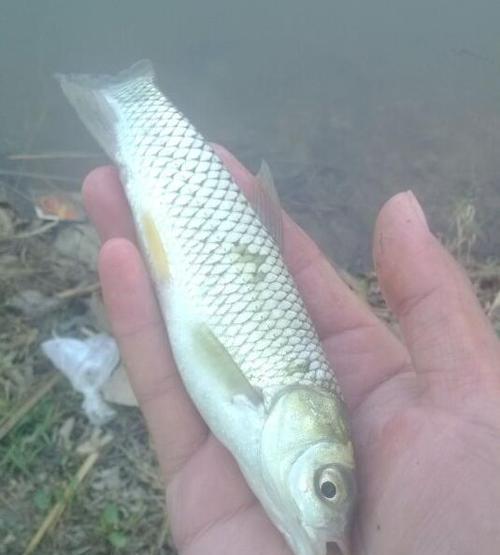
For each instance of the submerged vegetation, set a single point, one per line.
(68, 487)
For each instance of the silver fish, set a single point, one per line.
(243, 342)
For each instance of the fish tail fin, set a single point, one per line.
(92, 98)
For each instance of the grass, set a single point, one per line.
(116, 503)
(117, 507)
(29, 439)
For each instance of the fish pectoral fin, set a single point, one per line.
(265, 201)
(155, 247)
(248, 402)
(226, 372)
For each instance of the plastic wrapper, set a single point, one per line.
(87, 364)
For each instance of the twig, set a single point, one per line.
(162, 535)
(78, 291)
(54, 156)
(41, 390)
(58, 509)
(18, 272)
(152, 478)
(494, 305)
(42, 176)
(38, 231)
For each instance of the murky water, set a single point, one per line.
(349, 102)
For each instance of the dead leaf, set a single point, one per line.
(98, 311)
(97, 440)
(60, 206)
(118, 390)
(108, 479)
(6, 222)
(79, 242)
(65, 433)
(33, 304)
(494, 310)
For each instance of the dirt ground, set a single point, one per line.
(99, 488)
(68, 487)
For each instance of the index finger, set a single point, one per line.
(138, 326)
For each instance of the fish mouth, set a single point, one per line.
(310, 544)
(342, 546)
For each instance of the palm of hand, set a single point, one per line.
(425, 419)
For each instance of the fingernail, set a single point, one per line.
(417, 209)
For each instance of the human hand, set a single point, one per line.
(425, 411)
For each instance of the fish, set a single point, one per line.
(245, 346)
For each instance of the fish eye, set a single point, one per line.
(328, 489)
(326, 484)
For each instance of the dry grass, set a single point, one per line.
(112, 504)
(47, 278)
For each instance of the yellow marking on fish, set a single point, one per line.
(246, 256)
(155, 247)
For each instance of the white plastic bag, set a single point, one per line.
(87, 364)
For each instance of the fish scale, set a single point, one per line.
(210, 219)
(242, 339)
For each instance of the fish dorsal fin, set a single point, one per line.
(265, 201)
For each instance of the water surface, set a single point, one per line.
(349, 102)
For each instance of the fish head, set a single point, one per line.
(323, 489)
(308, 468)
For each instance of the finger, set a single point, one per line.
(175, 425)
(364, 353)
(107, 205)
(449, 338)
